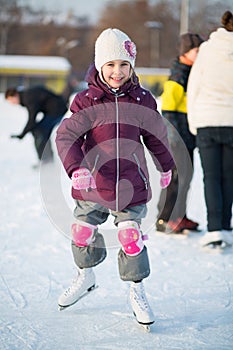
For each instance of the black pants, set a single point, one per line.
(216, 151)
(41, 134)
(172, 201)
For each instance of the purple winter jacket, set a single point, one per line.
(106, 133)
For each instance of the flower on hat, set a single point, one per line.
(130, 48)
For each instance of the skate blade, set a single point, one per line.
(217, 246)
(146, 327)
(91, 289)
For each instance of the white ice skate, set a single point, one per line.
(219, 239)
(141, 308)
(80, 286)
(211, 237)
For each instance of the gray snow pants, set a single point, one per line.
(131, 268)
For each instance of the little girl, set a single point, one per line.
(101, 148)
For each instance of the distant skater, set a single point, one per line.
(35, 100)
(172, 206)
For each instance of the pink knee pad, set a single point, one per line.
(130, 237)
(83, 233)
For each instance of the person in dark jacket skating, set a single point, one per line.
(172, 204)
(101, 149)
(39, 99)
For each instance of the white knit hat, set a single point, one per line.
(113, 44)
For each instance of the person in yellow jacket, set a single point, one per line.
(172, 216)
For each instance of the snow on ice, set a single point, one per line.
(190, 289)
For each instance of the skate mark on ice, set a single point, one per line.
(23, 336)
(228, 287)
(10, 328)
(26, 328)
(17, 297)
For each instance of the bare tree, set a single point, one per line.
(9, 15)
(24, 31)
(131, 17)
(135, 21)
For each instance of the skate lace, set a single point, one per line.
(75, 283)
(140, 298)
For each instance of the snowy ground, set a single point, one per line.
(190, 290)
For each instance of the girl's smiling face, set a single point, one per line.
(116, 73)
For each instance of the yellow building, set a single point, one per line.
(153, 78)
(51, 71)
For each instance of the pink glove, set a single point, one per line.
(82, 179)
(165, 179)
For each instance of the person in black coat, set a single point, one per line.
(172, 205)
(39, 99)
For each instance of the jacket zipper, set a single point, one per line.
(117, 150)
(117, 154)
(140, 171)
(95, 163)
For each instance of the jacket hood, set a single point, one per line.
(221, 41)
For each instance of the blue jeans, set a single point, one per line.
(42, 133)
(216, 151)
